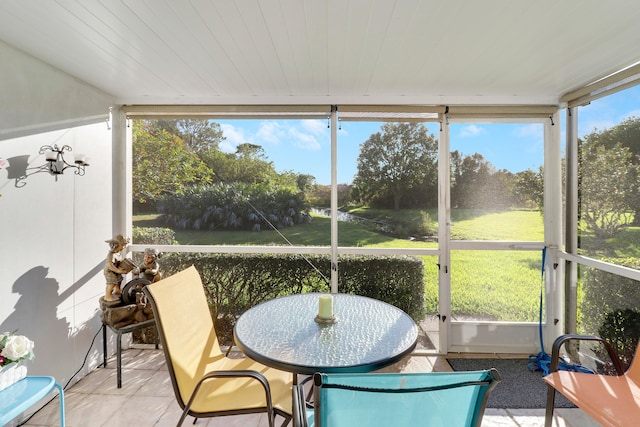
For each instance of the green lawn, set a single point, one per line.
(500, 285)
(509, 225)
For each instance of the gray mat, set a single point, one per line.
(520, 388)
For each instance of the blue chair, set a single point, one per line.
(447, 399)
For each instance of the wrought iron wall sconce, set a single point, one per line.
(56, 164)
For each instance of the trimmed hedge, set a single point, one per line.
(605, 293)
(236, 282)
(610, 309)
(621, 329)
(153, 235)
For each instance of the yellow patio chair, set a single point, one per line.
(206, 382)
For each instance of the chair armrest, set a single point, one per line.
(236, 374)
(557, 344)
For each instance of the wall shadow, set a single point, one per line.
(35, 316)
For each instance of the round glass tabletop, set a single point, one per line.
(367, 335)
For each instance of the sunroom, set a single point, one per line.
(86, 74)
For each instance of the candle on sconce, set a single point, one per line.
(82, 159)
(325, 306)
(51, 156)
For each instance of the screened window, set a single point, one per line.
(609, 209)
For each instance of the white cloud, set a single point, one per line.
(233, 137)
(598, 116)
(534, 130)
(303, 140)
(630, 114)
(588, 126)
(303, 134)
(470, 131)
(316, 127)
(270, 131)
(595, 123)
(227, 147)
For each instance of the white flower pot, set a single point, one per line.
(12, 373)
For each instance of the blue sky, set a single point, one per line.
(304, 146)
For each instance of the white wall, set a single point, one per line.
(52, 232)
(36, 97)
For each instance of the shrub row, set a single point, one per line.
(605, 293)
(236, 282)
(610, 308)
(227, 206)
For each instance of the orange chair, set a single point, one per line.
(205, 382)
(612, 401)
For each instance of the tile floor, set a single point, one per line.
(146, 399)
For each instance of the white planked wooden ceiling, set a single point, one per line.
(447, 52)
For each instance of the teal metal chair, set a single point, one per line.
(447, 399)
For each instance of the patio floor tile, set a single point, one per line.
(146, 399)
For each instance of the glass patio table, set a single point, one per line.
(367, 335)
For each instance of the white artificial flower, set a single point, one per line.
(18, 347)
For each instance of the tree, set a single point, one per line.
(504, 183)
(305, 182)
(320, 195)
(394, 161)
(627, 134)
(248, 164)
(162, 163)
(529, 188)
(608, 187)
(471, 182)
(199, 135)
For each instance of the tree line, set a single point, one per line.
(180, 172)
(397, 168)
